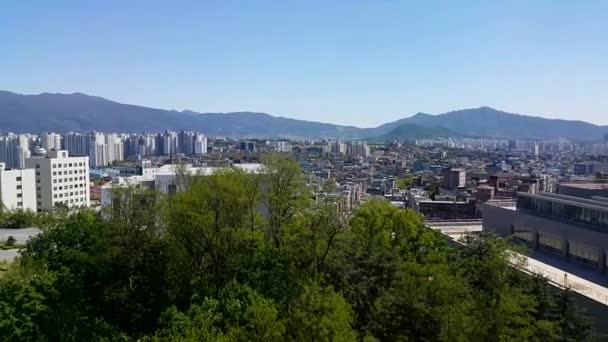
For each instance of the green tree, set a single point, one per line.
(285, 194)
(404, 183)
(319, 314)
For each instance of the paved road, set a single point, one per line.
(21, 235)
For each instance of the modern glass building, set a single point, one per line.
(586, 213)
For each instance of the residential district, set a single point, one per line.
(551, 195)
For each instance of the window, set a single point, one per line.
(18, 179)
(55, 196)
(18, 187)
(59, 173)
(38, 173)
(54, 173)
(70, 164)
(37, 165)
(20, 204)
(19, 195)
(54, 166)
(54, 181)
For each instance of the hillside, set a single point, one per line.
(489, 122)
(81, 112)
(414, 131)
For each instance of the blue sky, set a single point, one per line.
(348, 62)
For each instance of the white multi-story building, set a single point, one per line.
(17, 189)
(163, 179)
(50, 141)
(61, 179)
(14, 149)
(200, 144)
(358, 148)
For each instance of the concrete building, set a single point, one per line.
(163, 179)
(454, 178)
(50, 141)
(590, 168)
(200, 144)
(14, 149)
(17, 189)
(61, 179)
(247, 146)
(583, 190)
(77, 144)
(358, 148)
(576, 228)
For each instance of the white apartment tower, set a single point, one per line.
(61, 179)
(14, 149)
(50, 141)
(200, 144)
(17, 189)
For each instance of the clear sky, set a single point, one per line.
(349, 62)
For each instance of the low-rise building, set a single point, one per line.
(17, 189)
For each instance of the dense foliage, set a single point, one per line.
(243, 257)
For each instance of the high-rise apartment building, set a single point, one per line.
(77, 144)
(50, 141)
(17, 189)
(14, 149)
(200, 144)
(358, 148)
(61, 179)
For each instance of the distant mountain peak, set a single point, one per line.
(81, 112)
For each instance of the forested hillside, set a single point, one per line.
(243, 257)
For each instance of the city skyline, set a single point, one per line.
(358, 64)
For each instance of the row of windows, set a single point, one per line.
(71, 186)
(65, 180)
(590, 218)
(66, 165)
(68, 195)
(55, 173)
(67, 201)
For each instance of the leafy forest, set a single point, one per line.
(252, 257)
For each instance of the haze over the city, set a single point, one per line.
(361, 63)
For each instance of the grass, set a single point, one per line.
(6, 247)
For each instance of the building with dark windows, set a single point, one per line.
(584, 190)
(574, 227)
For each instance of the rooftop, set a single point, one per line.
(587, 186)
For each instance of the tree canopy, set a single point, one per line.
(251, 257)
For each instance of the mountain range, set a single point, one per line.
(81, 112)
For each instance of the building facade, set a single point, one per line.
(17, 189)
(575, 228)
(61, 180)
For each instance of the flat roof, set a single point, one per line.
(574, 201)
(587, 186)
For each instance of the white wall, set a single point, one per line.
(18, 189)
